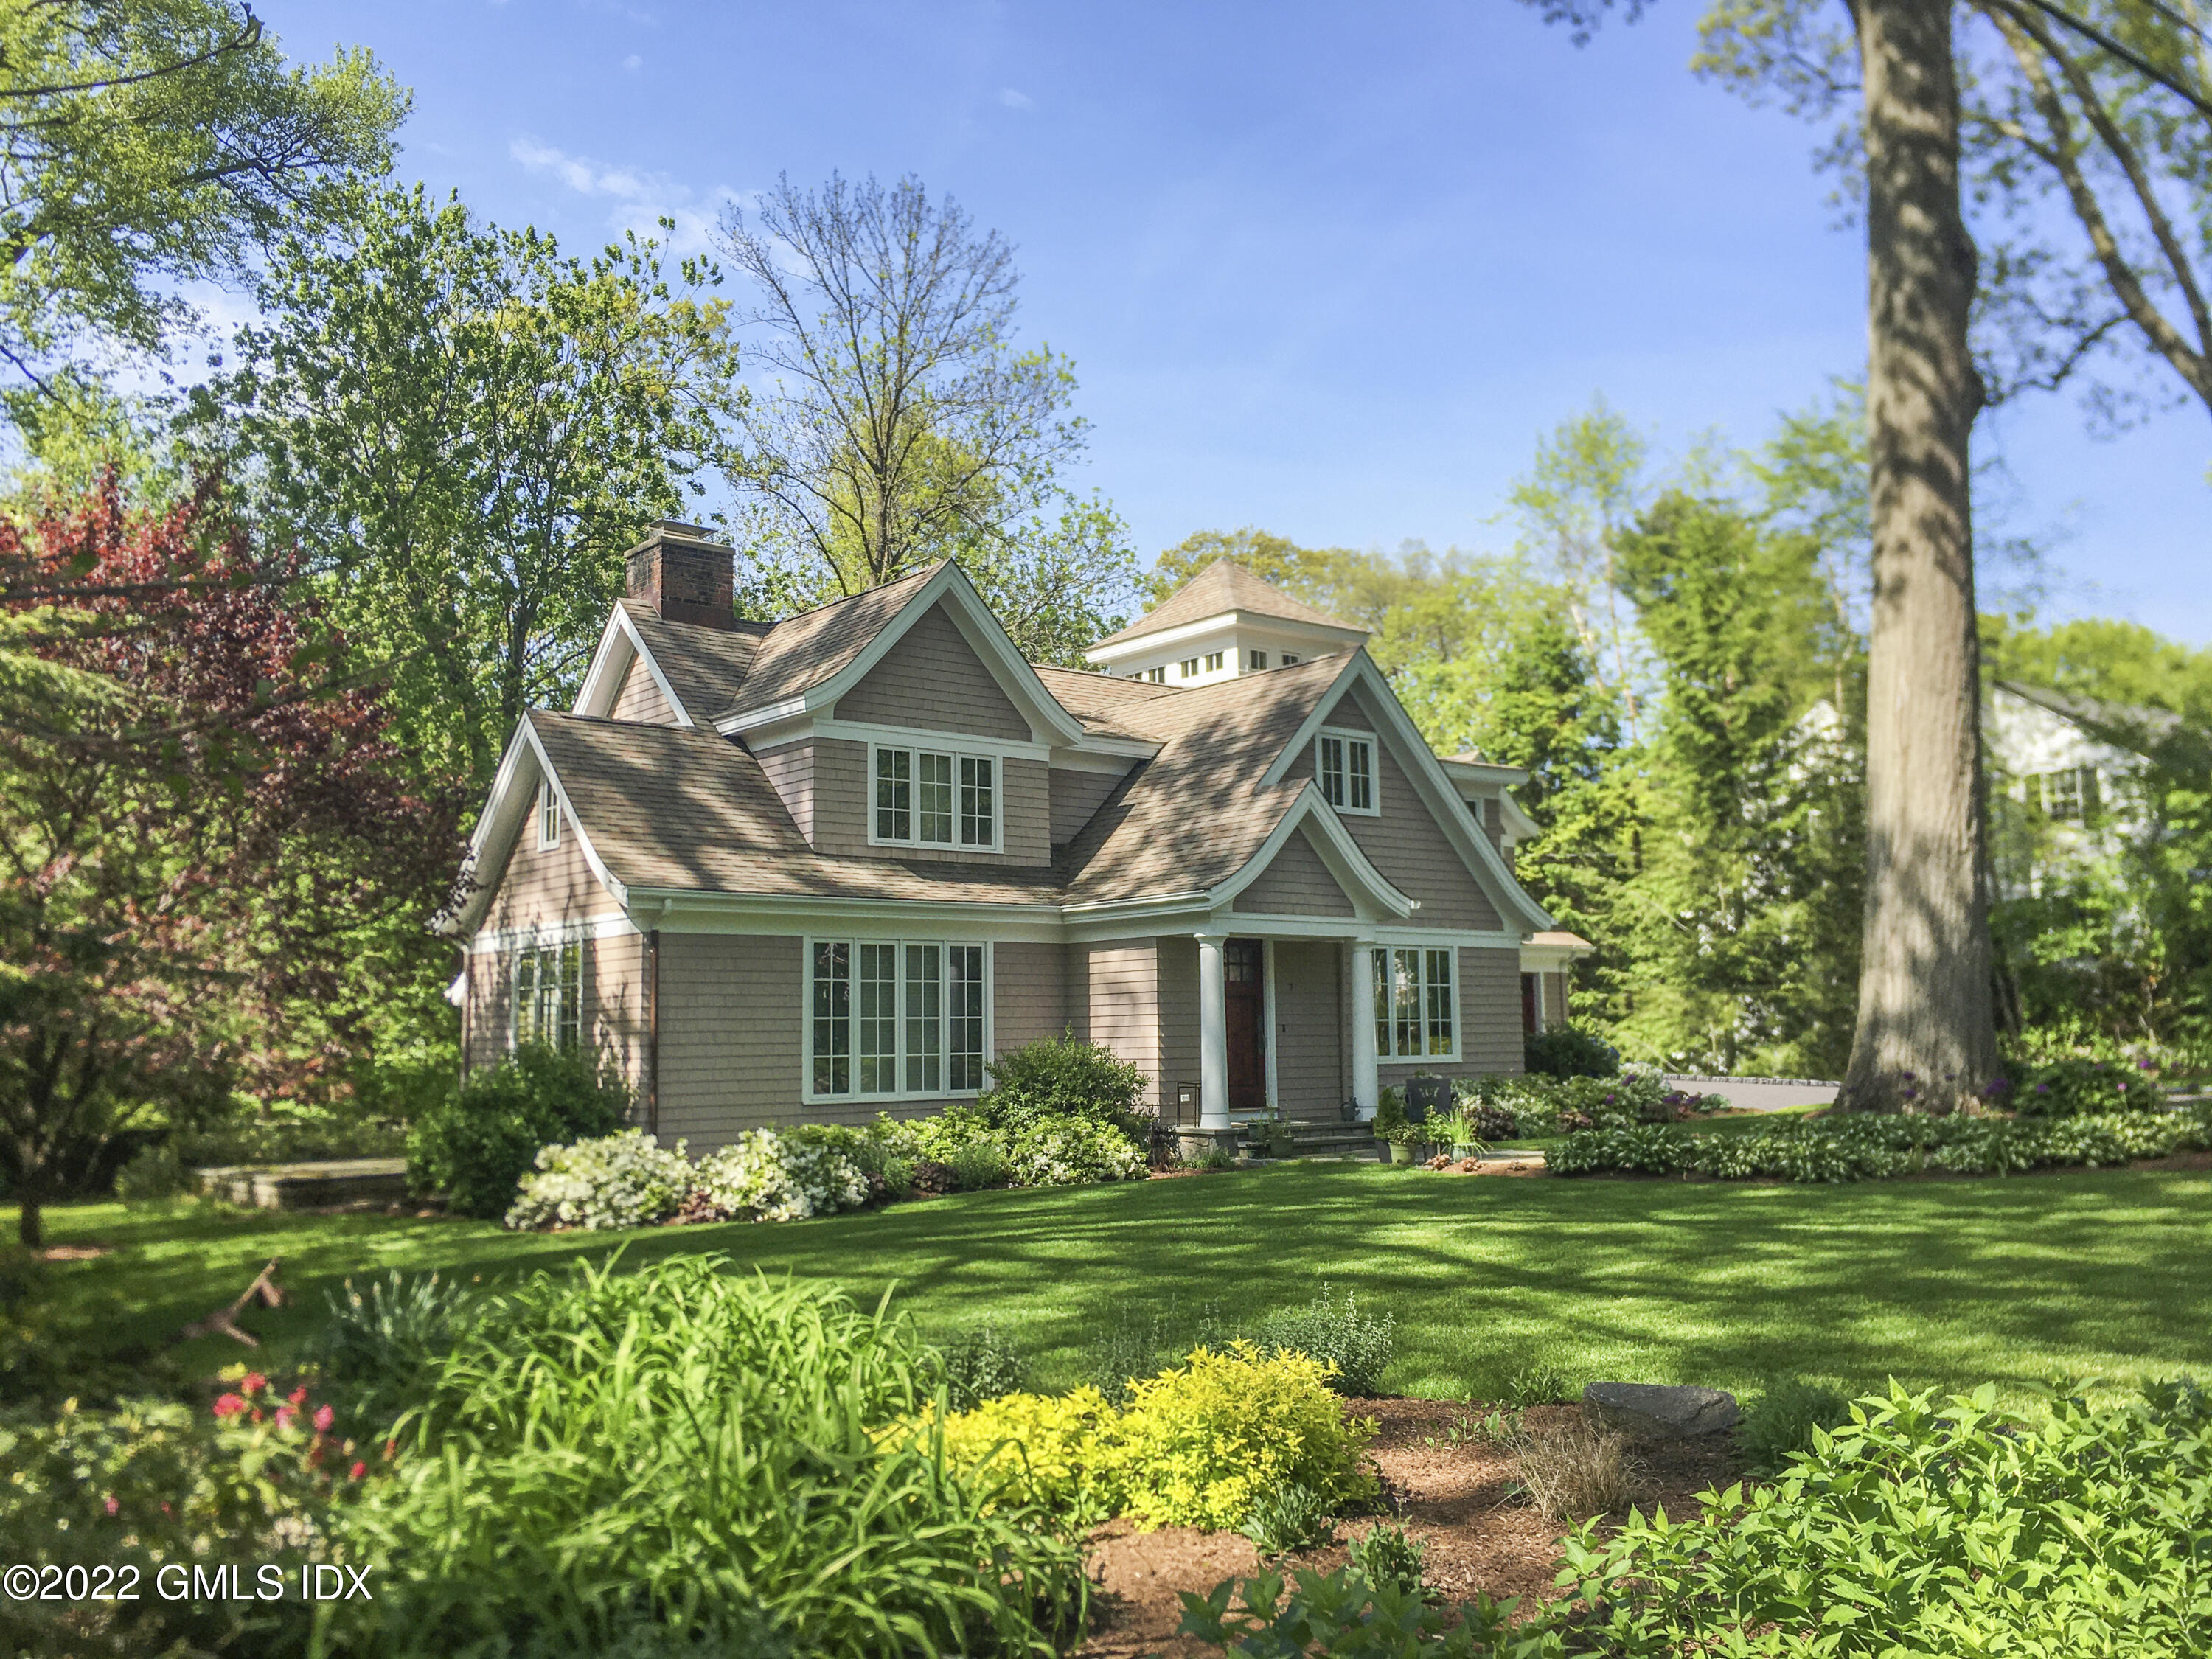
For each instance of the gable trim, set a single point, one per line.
(603, 680)
(1350, 868)
(985, 636)
(510, 807)
(1443, 801)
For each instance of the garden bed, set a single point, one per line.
(1456, 1496)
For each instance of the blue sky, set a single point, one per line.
(1331, 270)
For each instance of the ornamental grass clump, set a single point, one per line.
(680, 1459)
(1576, 1471)
(625, 1180)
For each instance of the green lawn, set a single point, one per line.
(2103, 1273)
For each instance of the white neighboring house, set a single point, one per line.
(2068, 765)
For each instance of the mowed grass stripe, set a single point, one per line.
(2099, 1273)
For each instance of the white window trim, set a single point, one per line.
(1348, 736)
(997, 843)
(1255, 661)
(562, 942)
(549, 816)
(1386, 1057)
(853, 1095)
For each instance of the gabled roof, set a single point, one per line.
(1104, 703)
(2122, 725)
(1196, 813)
(675, 811)
(703, 665)
(1222, 586)
(802, 652)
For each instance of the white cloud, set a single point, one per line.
(642, 198)
(1013, 99)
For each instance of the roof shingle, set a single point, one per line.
(1222, 586)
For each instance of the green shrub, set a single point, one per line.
(682, 1460)
(1287, 1519)
(1344, 1614)
(292, 1132)
(1138, 1343)
(476, 1145)
(1943, 1529)
(383, 1340)
(1042, 1152)
(1358, 1346)
(781, 1174)
(1055, 1452)
(1565, 1051)
(154, 1172)
(1389, 1556)
(1061, 1078)
(982, 1363)
(977, 1165)
(2078, 1088)
(1389, 1112)
(1780, 1422)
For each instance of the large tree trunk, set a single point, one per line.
(1925, 1039)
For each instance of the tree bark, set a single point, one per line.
(1926, 1038)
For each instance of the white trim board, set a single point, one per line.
(494, 940)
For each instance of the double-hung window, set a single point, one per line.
(1345, 763)
(931, 797)
(548, 995)
(1415, 1009)
(894, 1017)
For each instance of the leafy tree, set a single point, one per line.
(899, 424)
(464, 430)
(150, 143)
(188, 859)
(1743, 914)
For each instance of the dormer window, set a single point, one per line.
(1189, 668)
(1256, 661)
(1213, 662)
(926, 797)
(549, 816)
(1290, 659)
(1156, 676)
(1344, 762)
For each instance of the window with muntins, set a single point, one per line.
(1256, 661)
(1345, 767)
(1156, 676)
(1415, 1011)
(548, 995)
(2071, 793)
(1213, 662)
(1187, 668)
(895, 1017)
(548, 815)
(930, 798)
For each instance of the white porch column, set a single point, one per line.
(1359, 957)
(1212, 1033)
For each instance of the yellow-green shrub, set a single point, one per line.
(1053, 1449)
(1198, 1445)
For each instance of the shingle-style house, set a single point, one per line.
(2065, 780)
(818, 868)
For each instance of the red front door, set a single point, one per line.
(1247, 1004)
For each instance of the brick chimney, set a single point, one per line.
(685, 576)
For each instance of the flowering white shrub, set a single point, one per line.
(770, 1178)
(626, 1180)
(1069, 1152)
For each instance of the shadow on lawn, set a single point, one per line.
(1935, 1282)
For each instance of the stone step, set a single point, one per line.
(309, 1186)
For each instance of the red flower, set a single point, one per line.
(257, 1414)
(358, 1470)
(255, 1382)
(229, 1406)
(284, 1416)
(298, 1397)
(112, 1506)
(324, 1418)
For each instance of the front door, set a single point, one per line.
(1247, 1005)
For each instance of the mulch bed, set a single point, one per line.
(1456, 1497)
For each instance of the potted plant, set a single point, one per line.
(1390, 1126)
(1281, 1142)
(1401, 1143)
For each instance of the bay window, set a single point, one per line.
(894, 1017)
(1415, 1009)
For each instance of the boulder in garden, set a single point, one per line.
(1659, 1411)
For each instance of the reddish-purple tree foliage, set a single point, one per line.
(193, 834)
